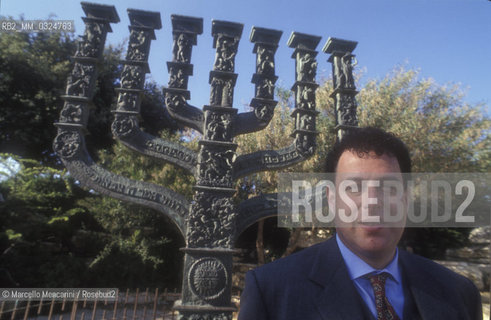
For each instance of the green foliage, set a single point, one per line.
(442, 131)
(33, 68)
(38, 223)
(53, 232)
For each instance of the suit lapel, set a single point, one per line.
(338, 298)
(426, 295)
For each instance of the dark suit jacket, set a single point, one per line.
(315, 284)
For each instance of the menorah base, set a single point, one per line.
(197, 312)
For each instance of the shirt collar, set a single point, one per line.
(358, 268)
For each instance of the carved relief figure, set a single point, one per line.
(216, 91)
(343, 71)
(137, 50)
(348, 65)
(227, 93)
(307, 122)
(226, 50)
(71, 113)
(346, 112)
(265, 89)
(306, 97)
(265, 63)
(306, 68)
(182, 48)
(212, 221)
(132, 77)
(264, 112)
(216, 168)
(127, 101)
(219, 126)
(174, 101)
(91, 40)
(79, 80)
(304, 144)
(177, 79)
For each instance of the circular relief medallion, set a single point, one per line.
(67, 144)
(123, 126)
(208, 278)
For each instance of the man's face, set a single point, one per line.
(368, 240)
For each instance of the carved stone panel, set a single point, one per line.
(218, 126)
(215, 168)
(225, 54)
(264, 112)
(306, 67)
(132, 77)
(265, 61)
(305, 121)
(91, 43)
(346, 109)
(343, 71)
(207, 316)
(139, 45)
(81, 80)
(128, 101)
(124, 125)
(67, 144)
(208, 278)
(305, 144)
(182, 48)
(178, 78)
(305, 97)
(222, 92)
(73, 113)
(211, 222)
(265, 89)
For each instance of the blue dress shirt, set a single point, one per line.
(358, 269)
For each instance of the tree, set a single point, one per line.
(52, 232)
(442, 131)
(38, 222)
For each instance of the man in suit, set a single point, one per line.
(360, 273)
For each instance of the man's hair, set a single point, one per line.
(364, 140)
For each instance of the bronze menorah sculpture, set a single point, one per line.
(212, 222)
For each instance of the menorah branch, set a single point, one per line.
(344, 93)
(185, 31)
(304, 113)
(164, 200)
(265, 46)
(69, 144)
(125, 126)
(254, 209)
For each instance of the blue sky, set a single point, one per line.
(449, 40)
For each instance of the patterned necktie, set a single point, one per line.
(385, 311)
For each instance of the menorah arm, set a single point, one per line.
(70, 145)
(268, 160)
(125, 128)
(254, 209)
(247, 122)
(183, 112)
